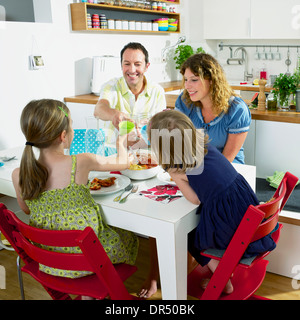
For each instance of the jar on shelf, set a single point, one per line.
(111, 23)
(127, 3)
(140, 4)
(144, 26)
(125, 24)
(118, 3)
(138, 25)
(154, 5)
(95, 21)
(131, 25)
(118, 24)
(89, 20)
(154, 26)
(147, 5)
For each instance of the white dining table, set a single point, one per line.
(168, 223)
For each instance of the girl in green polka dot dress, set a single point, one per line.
(54, 189)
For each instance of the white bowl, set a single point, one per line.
(141, 174)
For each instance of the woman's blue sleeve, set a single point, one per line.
(180, 105)
(239, 117)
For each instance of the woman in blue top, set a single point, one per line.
(210, 103)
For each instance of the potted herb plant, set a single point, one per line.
(285, 86)
(184, 51)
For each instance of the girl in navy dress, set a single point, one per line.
(206, 178)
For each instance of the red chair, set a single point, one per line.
(246, 276)
(106, 280)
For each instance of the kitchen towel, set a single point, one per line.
(276, 179)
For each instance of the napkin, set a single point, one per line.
(162, 193)
(276, 179)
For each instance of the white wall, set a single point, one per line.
(66, 54)
(68, 66)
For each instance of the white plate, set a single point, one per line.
(120, 183)
(165, 177)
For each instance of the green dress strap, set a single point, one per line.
(74, 161)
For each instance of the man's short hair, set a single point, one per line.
(136, 46)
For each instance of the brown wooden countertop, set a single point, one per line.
(250, 88)
(89, 98)
(92, 98)
(279, 116)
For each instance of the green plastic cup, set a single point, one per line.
(125, 127)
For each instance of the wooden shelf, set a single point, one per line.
(79, 16)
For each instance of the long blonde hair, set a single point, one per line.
(207, 67)
(42, 122)
(186, 145)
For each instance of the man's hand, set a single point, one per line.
(119, 117)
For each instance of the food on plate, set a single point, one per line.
(144, 162)
(97, 183)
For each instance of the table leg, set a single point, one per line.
(172, 258)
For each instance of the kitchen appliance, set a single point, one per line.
(104, 68)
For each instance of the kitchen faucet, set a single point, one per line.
(247, 75)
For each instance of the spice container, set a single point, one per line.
(155, 26)
(125, 24)
(131, 25)
(144, 26)
(95, 21)
(118, 24)
(111, 23)
(154, 5)
(89, 20)
(138, 25)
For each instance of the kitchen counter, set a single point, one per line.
(92, 98)
(279, 116)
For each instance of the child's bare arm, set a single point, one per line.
(182, 183)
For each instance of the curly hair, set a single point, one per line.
(207, 67)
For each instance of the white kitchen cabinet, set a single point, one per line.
(251, 19)
(79, 112)
(273, 146)
(275, 19)
(228, 19)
